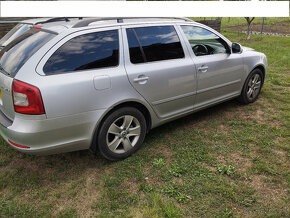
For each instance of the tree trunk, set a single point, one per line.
(263, 21)
(249, 21)
(248, 32)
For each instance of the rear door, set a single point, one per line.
(159, 68)
(83, 72)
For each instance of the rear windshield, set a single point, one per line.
(14, 33)
(15, 54)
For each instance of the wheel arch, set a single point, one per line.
(262, 68)
(136, 104)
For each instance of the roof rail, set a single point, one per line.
(13, 21)
(55, 19)
(86, 22)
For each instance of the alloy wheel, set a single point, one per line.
(123, 134)
(254, 86)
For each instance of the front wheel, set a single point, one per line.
(252, 87)
(121, 133)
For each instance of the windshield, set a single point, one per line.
(18, 30)
(16, 53)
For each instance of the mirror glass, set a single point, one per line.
(236, 47)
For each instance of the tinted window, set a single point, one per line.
(204, 42)
(16, 53)
(136, 52)
(88, 51)
(157, 43)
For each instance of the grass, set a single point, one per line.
(235, 21)
(227, 161)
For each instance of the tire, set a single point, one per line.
(121, 134)
(252, 87)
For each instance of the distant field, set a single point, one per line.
(234, 21)
(229, 160)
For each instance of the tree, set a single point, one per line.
(249, 21)
(263, 21)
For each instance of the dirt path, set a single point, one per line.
(279, 28)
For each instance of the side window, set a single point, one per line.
(88, 51)
(136, 51)
(147, 44)
(204, 42)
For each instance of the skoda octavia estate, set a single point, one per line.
(103, 83)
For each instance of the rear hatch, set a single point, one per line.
(12, 57)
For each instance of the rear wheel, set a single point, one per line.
(122, 133)
(252, 87)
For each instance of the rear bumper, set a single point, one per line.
(51, 136)
(4, 120)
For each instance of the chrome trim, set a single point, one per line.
(218, 86)
(173, 98)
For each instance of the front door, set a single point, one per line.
(160, 68)
(219, 72)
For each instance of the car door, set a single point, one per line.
(219, 73)
(160, 68)
(81, 71)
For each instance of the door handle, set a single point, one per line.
(203, 68)
(141, 78)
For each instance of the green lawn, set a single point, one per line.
(234, 21)
(228, 160)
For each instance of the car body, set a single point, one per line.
(164, 68)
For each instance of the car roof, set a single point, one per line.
(35, 20)
(60, 24)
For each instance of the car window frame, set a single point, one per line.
(228, 42)
(67, 37)
(126, 43)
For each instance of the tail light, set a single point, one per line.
(27, 98)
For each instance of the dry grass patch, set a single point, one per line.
(131, 185)
(269, 195)
(239, 212)
(80, 196)
(150, 178)
(241, 163)
(282, 155)
(89, 195)
(209, 167)
(165, 150)
(223, 129)
(221, 159)
(257, 115)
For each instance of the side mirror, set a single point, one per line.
(236, 47)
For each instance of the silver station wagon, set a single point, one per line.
(103, 83)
